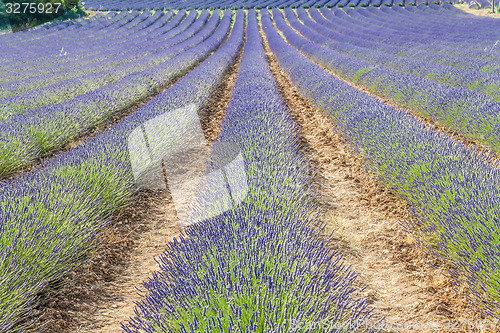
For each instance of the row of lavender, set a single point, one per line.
(96, 26)
(26, 95)
(82, 45)
(23, 90)
(454, 192)
(455, 58)
(430, 32)
(36, 61)
(39, 131)
(42, 52)
(261, 266)
(434, 29)
(161, 4)
(52, 217)
(471, 113)
(123, 41)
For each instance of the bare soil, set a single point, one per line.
(98, 291)
(101, 294)
(400, 283)
(479, 12)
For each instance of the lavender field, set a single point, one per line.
(271, 166)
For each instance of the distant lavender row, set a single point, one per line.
(174, 4)
(116, 56)
(468, 112)
(88, 26)
(98, 29)
(137, 4)
(385, 42)
(80, 47)
(388, 55)
(488, 82)
(427, 21)
(454, 36)
(453, 19)
(454, 192)
(24, 56)
(50, 218)
(339, 26)
(58, 64)
(41, 53)
(70, 83)
(260, 267)
(48, 27)
(28, 136)
(451, 33)
(50, 50)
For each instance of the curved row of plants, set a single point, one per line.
(258, 4)
(449, 54)
(394, 51)
(488, 82)
(52, 217)
(64, 88)
(131, 45)
(111, 20)
(117, 45)
(469, 113)
(13, 42)
(261, 266)
(35, 134)
(454, 192)
(422, 23)
(15, 63)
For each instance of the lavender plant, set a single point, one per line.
(65, 89)
(115, 53)
(487, 83)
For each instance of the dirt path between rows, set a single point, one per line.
(101, 295)
(365, 216)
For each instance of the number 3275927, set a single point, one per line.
(32, 8)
